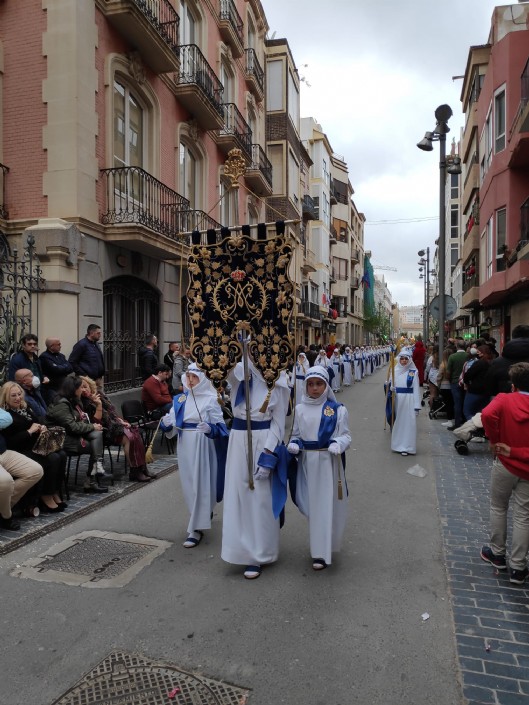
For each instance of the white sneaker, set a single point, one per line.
(99, 469)
(448, 423)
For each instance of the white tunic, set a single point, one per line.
(404, 433)
(197, 460)
(358, 366)
(317, 481)
(348, 369)
(250, 532)
(336, 362)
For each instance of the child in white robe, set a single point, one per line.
(405, 384)
(348, 363)
(197, 418)
(319, 438)
(337, 366)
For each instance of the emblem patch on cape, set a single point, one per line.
(182, 398)
(328, 411)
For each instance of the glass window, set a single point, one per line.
(275, 155)
(274, 85)
(188, 175)
(489, 246)
(293, 177)
(454, 221)
(188, 24)
(128, 127)
(499, 121)
(293, 101)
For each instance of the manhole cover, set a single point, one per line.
(94, 559)
(132, 679)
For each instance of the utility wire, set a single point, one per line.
(398, 221)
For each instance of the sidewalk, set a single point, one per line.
(491, 615)
(81, 503)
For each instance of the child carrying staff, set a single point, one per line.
(320, 436)
(197, 418)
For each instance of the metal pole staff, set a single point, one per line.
(442, 242)
(248, 407)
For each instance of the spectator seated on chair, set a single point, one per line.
(27, 359)
(155, 394)
(116, 431)
(21, 436)
(82, 436)
(30, 383)
(18, 474)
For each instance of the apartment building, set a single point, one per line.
(495, 194)
(117, 118)
(411, 321)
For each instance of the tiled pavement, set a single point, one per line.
(81, 503)
(491, 615)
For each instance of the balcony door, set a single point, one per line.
(129, 147)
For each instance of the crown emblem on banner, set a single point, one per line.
(238, 275)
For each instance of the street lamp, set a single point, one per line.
(425, 262)
(442, 114)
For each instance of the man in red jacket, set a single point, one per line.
(155, 394)
(506, 423)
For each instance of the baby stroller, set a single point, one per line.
(438, 407)
(471, 430)
(425, 397)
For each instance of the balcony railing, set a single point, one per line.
(354, 282)
(470, 282)
(333, 234)
(254, 70)
(134, 196)
(355, 255)
(187, 221)
(310, 309)
(228, 12)
(151, 26)
(260, 162)
(237, 127)
(3, 175)
(194, 69)
(309, 209)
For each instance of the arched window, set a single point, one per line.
(131, 310)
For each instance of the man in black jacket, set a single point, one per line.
(54, 365)
(86, 357)
(516, 350)
(147, 358)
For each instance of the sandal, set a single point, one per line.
(251, 572)
(318, 564)
(191, 541)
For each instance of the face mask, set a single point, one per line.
(35, 382)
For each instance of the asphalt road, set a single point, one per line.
(354, 633)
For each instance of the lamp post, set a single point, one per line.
(442, 114)
(425, 262)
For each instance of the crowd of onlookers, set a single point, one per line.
(471, 373)
(53, 407)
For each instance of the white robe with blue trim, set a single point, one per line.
(317, 481)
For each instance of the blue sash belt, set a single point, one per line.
(300, 376)
(188, 424)
(240, 425)
(404, 390)
(314, 445)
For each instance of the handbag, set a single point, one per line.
(50, 440)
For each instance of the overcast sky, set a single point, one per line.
(373, 74)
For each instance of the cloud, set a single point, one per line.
(377, 72)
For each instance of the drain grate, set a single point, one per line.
(101, 558)
(94, 559)
(123, 679)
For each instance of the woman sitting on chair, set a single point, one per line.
(21, 436)
(82, 436)
(116, 431)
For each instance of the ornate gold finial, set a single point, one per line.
(234, 167)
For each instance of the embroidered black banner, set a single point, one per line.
(241, 284)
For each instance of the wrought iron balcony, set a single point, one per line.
(3, 175)
(199, 89)
(259, 172)
(254, 74)
(310, 309)
(149, 26)
(135, 197)
(235, 132)
(309, 209)
(189, 220)
(231, 27)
